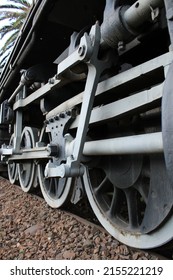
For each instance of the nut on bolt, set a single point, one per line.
(56, 118)
(62, 115)
(68, 113)
(121, 46)
(46, 122)
(53, 150)
(51, 81)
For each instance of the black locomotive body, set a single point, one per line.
(86, 110)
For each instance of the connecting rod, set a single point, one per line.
(135, 144)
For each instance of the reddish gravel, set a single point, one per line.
(29, 229)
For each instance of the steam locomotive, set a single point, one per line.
(86, 110)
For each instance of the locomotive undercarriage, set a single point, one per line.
(114, 132)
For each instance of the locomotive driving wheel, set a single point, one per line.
(56, 191)
(132, 195)
(12, 166)
(27, 168)
(128, 197)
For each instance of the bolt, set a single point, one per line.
(53, 150)
(56, 118)
(74, 112)
(51, 81)
(56, 77)
(46, 121)
(68, 113)
(121, 46)
(62, 115)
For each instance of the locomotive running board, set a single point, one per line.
(103, 87)
(161, 62)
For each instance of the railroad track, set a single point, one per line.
(33, 230)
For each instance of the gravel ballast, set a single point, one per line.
(30, 229)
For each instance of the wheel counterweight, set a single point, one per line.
(56, 191)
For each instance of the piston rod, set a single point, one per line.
(140, 12)
(123, 23)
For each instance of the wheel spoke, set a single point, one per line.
(115, 203)
(143, 189)
(132, 207)
(49, 184)
(57, 186)
(102, 186)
